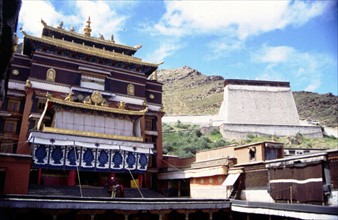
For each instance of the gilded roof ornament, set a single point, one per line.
(28, 84)
(23, 32)
(138, 46)
(60, 25)
(96, 98)
(69, 97)
(103, 106)
(43, 23)
(87, 101)
(122, 105)
(87, 29)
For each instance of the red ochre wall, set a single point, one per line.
(15, 170)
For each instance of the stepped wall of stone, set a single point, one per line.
(256, 104)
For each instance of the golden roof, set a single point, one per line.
(84, 37)
(89, 50)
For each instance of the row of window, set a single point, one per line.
(10, 126)
(13, 106)
(7, 148)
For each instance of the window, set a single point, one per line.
(92, 82)
(13, 106)
(149, 125)
(131, 89)
(10, 126)
(148, 139)
(50, 75)
(252, 153)
(41, 106)
(7, 147)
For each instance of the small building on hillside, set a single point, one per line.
(254, 107)
(259, 180)
(213, 174)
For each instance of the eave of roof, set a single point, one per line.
(90, 50)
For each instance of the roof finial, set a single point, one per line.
(60, 25)
(87, 29)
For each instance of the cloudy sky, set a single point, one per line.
(293, 41)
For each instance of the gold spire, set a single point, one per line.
(87, 29)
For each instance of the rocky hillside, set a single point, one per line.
(317, 107)
(189, 92)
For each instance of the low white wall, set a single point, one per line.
(260, 195)
(208, 191)
(334, 199)
(237, 131)
(282, 213)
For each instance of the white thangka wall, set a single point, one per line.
(94, 123)
(252, 104)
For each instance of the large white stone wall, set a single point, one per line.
(252, 104)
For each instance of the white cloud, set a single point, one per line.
(223, 47)
(165, 50)
(245, 18)
(32, 12)
(286, 63)
(104, 16)
(274, 54)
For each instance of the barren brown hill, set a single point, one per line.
(190, 92)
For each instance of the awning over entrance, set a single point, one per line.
(88, 142)
(231, 179)
(193, 173)
(71, 152)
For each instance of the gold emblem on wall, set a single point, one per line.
(151, 96)
(15, 72)
(69, 97)
(96, 98)
(50, 75)
(28, 84)
(122, 105)
(131, 89)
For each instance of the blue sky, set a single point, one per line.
(294, 41)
